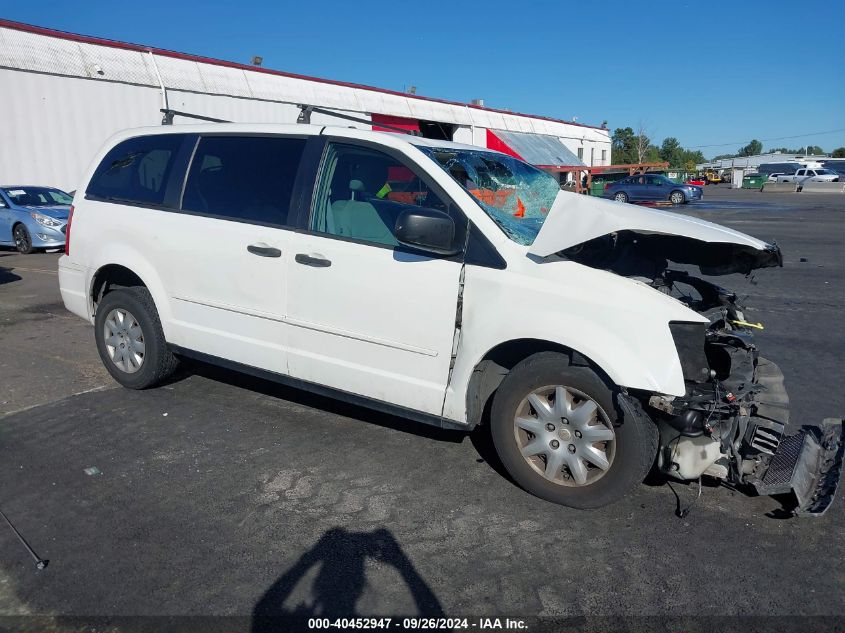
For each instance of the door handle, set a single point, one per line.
(315, 261)
(262, 250)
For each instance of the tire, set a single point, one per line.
(628, 456)
(620, 196)
(132, 365)
(677, 197)
(23, 240)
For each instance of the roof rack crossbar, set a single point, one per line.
(167, 119)
(305, 112)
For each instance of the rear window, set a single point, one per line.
(244, 178)
(136, 170)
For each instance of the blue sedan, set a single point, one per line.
(651, 188)
(33, 217)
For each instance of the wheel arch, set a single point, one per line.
(680, 191)
(494, 365)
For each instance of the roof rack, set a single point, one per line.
(305, 112)
(167, 119)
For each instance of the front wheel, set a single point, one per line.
(557, 431)
(677, 197)
(23, 240)
(621, 196)
(130, 339)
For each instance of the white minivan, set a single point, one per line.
(445, 283)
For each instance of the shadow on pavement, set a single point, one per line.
(305, 398)
(340, 559)
(7, 276)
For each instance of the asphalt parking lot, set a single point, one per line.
(223, 494)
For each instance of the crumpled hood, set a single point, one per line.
(59, 211)
(576, 219)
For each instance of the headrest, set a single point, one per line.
(356, 185)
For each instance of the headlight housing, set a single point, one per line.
(45, 220)
(689, 341)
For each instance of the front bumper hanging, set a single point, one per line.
(807, 464)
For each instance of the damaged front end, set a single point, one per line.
(733, 421)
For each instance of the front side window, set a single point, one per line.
(514, 194)
(136, 170)
(362, 192)
(244, 178)
(37, 196)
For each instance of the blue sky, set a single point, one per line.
(744, 70)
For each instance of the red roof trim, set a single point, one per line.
(40, 30)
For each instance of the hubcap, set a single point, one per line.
(620, 197)
(565, 435)
(124, 340)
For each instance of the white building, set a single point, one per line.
(65, 94)
(751, 163)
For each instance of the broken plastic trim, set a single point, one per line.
(808, 464)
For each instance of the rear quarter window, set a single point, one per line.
(136, 170)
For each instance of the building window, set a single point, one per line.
(604, 156)
(580, 153)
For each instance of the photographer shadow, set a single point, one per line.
(341, 557)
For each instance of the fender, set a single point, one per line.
(620, 325)
(123, 254)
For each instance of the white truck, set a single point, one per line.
(807, 174)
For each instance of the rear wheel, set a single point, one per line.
(130, 339)
(621, 196)
(23, 240)
(677, 197)
(557, 432)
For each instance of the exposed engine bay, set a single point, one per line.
(733, 421)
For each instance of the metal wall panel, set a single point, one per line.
(51, 127)
(106, 95)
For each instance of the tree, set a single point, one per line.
(623, 144)
(642, 143)
(752, 149)
(671, 151)
(839, 152)
(814, 150)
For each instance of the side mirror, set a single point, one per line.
(428, 230)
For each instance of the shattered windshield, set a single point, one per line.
(514, 194)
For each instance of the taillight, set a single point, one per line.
(67, 231)
(606, 186)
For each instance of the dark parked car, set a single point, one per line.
(33, 217)
(651, 187)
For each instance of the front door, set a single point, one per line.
(367, 315)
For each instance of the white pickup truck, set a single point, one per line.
(816, 174)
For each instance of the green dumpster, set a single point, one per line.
(754, 181)
(597, 187)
